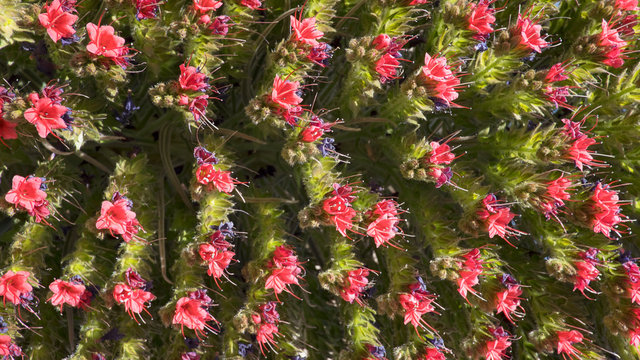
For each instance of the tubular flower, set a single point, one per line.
(496, 218)
(134, 299)
(529, 36)
(192, 79)
(27, 193)
(192, 312)
(58, 21)
(66, 293)
(116, 216)
(384, 226)
(285, 94)
(496, 348)
(554, 197)
(305, 31)
(285, 270)
(45, 114)
(508, 302)
(339, 209)
(480, 19)
(267, 320)
(104, 42)
(416, 303)
(13, 285)
(566, 339)
(470, 270)
(356, 283)
(606, 211)
(439, 79)
(221, 180)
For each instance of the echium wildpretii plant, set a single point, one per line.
(319, 179)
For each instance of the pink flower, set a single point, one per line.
(285, 93)
(578, 152)
(45, 114)
(146, 9)
(305, 31)
(529, 34)
(26, 193)
(134, 300)
(381, 42)
(117, 217)
(252, 4)
(626, 5)
(13, 285)
(496, 348)
(481, 18)
(614, 57)
(557, 192)
(387, 67)
(192, 79)
(104, 42)
(496, 218)
(203, 6)
(221, 180)
(557, 72)
(440, 153)
(415, 305)
(66, 293)
(7, 129)
(355, 283)
(439, 79)
(383, 229)
(220, 25)
(585, 273)
(218, 260)
(508, 302)
(606, 210)
(9, 349)
(193, 314)
(566, 339)
(609, 37)
(432, 354)
(57, 21)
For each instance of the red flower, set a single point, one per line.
(218, 260)
(134, 300)
(198, 107)
(204, 6)
(627, 5)
(26, 193)
(57, 21)
(336, 205)
(566, 339)
(418, 2)
(496, 218)
(529, 34)
(614, 58)
(355, 284)
(383, 229)
(146, 9)
(609, 37)
(220, 26)
(496, 349)
(118, 218)
(439, 79)
(265, 335)
(207, 174)
(45, 114)
(555, 195)
(285, 93)
(305, 31)
(432, 354)
(468, 276)
(481, 18)
(557, 95)
(252, 4)
(387, 67)
(8, 349)
(579, 153)
(344, 222)
(285, 270)
(192, 79)
(66, 293)
(585, 273)
(311, 133)
(556, 73)
(415, 305)
(104, 42)
(7, 129)
(193, 314)
(440, 153)
(13, 285)
(508, 302)
(381, 42)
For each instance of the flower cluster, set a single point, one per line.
(305, 34)
(190, 87)
(68, 292)
(480, 19)
(439, 155)
(496, 348)
(216, 252)
(104, 44)
(9, 349)
(355, 284)
(507, 301)
(417, 302)
(565, 340)
(578, 150)
(611, 45)
(192, 312)
(384, 223)
(496, 218)
(586, 270)
(58, 19)
(284, 270)
(218, 25)
(133, 294)
(633, 280)
(470, 269)
(266, 320)
(605, 209)
(555, 195)
(210, 176)
(388, 65)
(285, 98)
(15, 287)
(441, 83)
(339, 209)
(556, 94)
(46, 111)
(315, 129)
(28, 194)
(117, 217)
(527, 34)
(7, 128)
